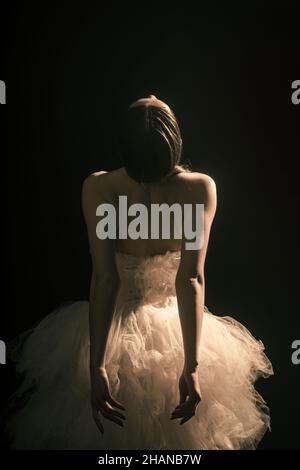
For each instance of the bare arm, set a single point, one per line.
(190, 289)
(103, 293)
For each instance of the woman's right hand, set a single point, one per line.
(102, 401)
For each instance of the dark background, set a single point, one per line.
(71, 71)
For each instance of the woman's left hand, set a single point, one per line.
(190, 397)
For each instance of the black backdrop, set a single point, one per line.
(70, 71)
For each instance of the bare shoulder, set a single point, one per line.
(207, 185)
(100, 183)
(198, 178)
(202, 186)
(94, 190)
(91, 182)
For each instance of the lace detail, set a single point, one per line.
(147, 280)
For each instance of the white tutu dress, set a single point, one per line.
(144, 363)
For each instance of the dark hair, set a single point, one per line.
(150, 141)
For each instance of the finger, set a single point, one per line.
(98, 421)
(178, 414)
(112, 418)
(117, 413)
(189, 404)
(115, 403)
(184, 410)
(178, 406)
(184, 420)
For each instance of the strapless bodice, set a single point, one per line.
(148, 279)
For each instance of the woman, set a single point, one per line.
(145, 349)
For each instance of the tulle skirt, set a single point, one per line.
(144, 361)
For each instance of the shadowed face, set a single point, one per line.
(150, 140)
